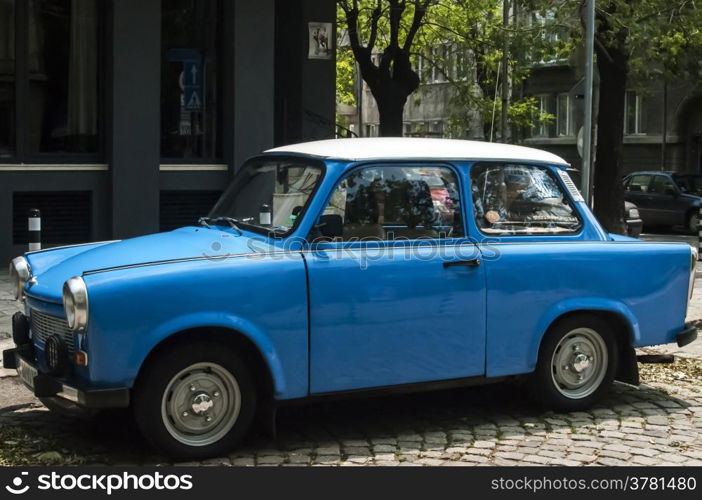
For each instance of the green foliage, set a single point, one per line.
(345, 77)
(663, 38)
(469, 37)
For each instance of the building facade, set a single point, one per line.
(124, 117)
(653, 111)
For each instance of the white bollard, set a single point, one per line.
(34, 226)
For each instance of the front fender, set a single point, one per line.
(214, 319)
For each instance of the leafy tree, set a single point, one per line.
(635, 41)
(392, 24)
(471, 34)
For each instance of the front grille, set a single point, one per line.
(44, 325)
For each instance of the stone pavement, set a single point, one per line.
(658, 423)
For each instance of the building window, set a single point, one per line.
(55, 67)
(461, 59)
(190, 41)
(540, 127)
(633, 108)
(564, 116)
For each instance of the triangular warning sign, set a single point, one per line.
(194, 102)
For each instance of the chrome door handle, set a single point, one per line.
(464, 263)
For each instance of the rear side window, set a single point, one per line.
(638, 183)
(512, 199)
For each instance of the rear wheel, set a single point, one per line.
(692, 221)
(195, 401)
(577, 363)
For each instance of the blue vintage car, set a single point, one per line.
(342, 266)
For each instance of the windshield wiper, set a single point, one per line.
(217, 221)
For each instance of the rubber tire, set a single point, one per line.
(153, 381)
(688, 222)
(541, 383)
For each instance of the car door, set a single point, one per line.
(637, 187)
(664, 202)
(399, 296)
(528, 223)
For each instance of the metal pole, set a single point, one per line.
(664, 139)
(34, 227)
(587, 126)
(505, 72)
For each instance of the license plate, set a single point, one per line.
(27, 373)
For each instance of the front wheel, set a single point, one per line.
(692, 221)
(195, 401)
(577, 363)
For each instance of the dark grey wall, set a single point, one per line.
(304, 88)
(134, 147)
(254, 78)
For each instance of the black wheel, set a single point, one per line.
(577, 363)
(692, 220)
(195, 401)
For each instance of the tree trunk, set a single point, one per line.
(608, 189)
(390, 110)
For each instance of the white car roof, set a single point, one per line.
(374, 148)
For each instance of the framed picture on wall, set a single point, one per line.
(321, 41)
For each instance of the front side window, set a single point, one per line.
(638, 183)
(514, 199)
(662, 185)
(269, 196)
(190, 121)
(403, 202)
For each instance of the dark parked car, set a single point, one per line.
(634, 224)
(665, 198)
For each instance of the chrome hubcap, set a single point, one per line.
(201, 404)
(579, 363)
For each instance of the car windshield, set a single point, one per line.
(269, 196)
(689, 183)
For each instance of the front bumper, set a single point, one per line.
(688, 335)
(634, 227)
(46, 386)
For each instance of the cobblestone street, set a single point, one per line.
(659, 423)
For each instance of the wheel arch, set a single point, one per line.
(264, 375)
(624, 327)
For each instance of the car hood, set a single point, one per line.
(184, 243)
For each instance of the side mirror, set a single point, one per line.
(331, 225)
(670, 191)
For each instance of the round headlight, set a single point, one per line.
(75, 303)
(634, 213)
(19, 275)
